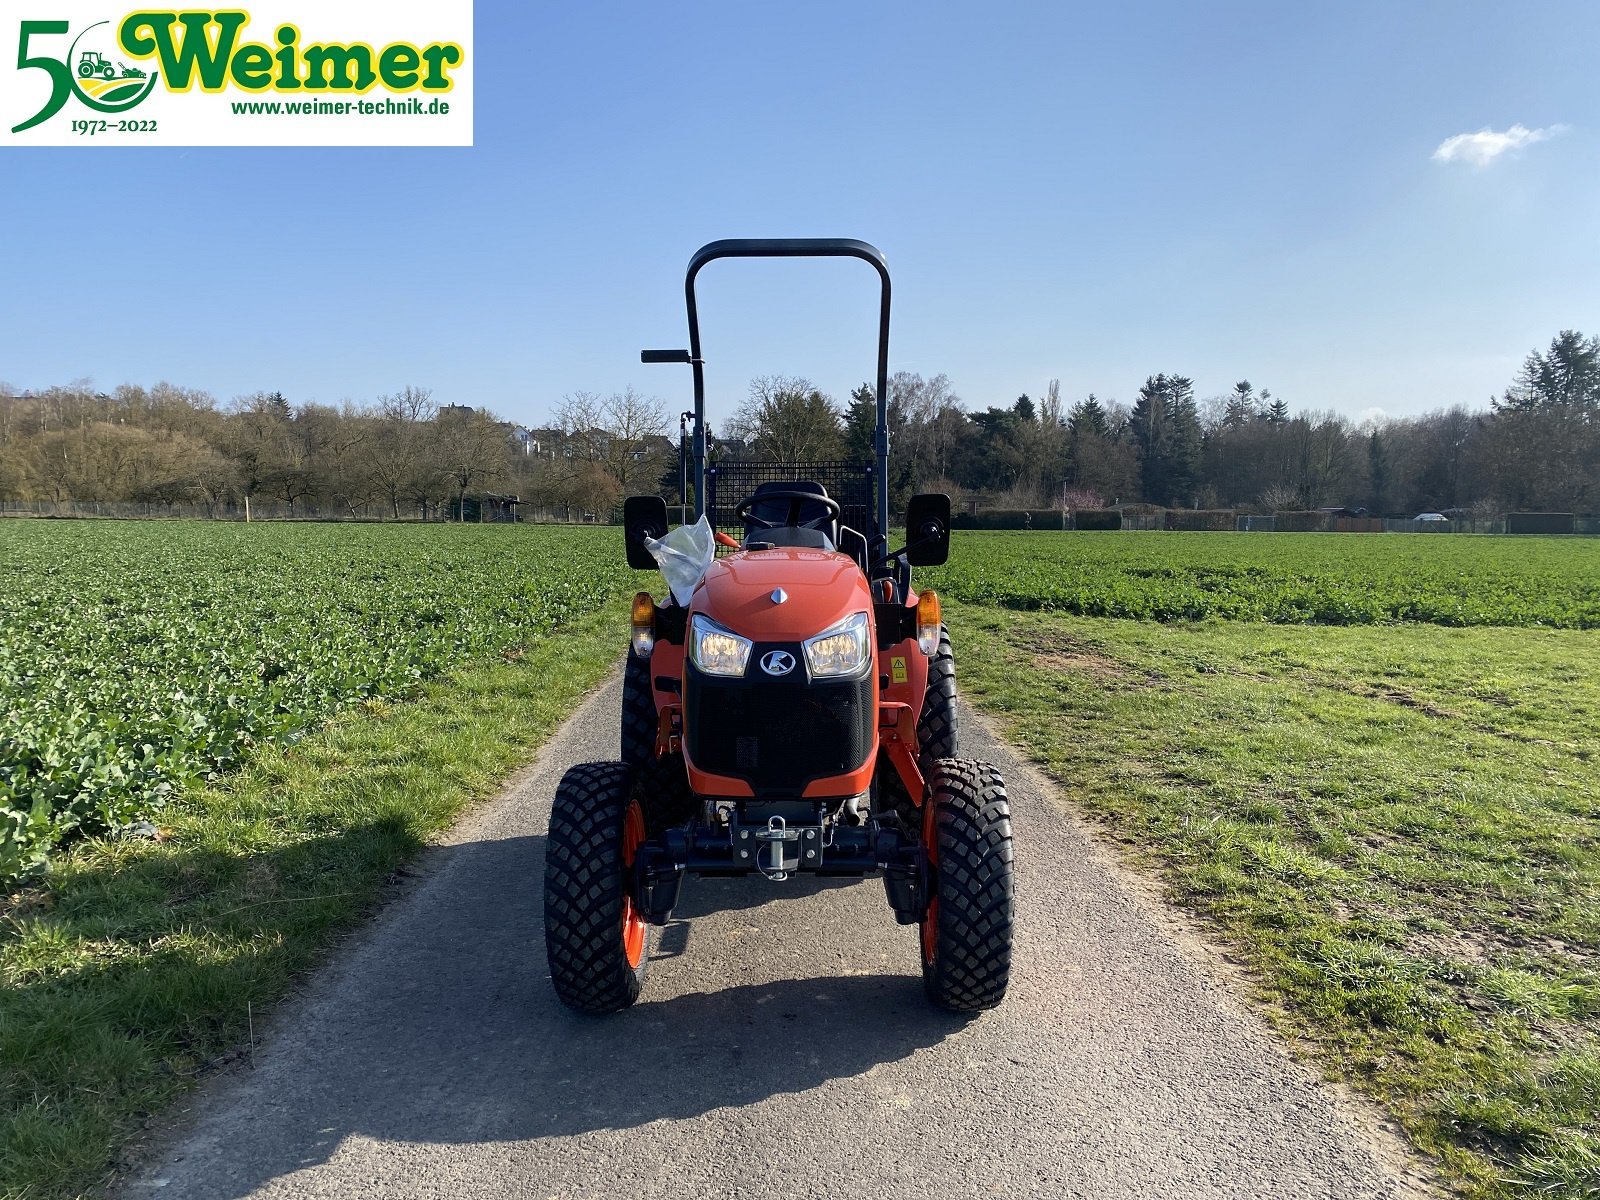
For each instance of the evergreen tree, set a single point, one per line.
(1088, 416)
(1378, 471)
(1277, 412)
(1166, 428)
(1241, 405)
(860, 424)
(1566, 379)
(1184, 456)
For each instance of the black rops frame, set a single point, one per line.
(786, 248)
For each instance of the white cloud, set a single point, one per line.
(1482, 148)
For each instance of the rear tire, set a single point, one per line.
(938, 731)
(967, 930)
(595, 940)
(664, 782)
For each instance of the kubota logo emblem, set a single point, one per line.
(777, 662)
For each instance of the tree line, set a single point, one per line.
(1534, 447)
(400, 456)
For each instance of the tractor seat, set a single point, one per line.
(822, 538)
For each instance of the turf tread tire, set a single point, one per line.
(974, 884)
(639, 720)
(584, 886)
(938, 728)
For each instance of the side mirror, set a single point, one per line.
(928, 530)
(642, 517)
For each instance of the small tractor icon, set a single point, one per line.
(95, 63)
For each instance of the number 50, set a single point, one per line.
(59, 74)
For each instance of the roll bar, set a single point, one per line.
(786, 248)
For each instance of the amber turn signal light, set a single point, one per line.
(928, 623)
(644, 624)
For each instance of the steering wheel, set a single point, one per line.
(796, 499)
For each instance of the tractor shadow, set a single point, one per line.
(706, 897)
(703, 897)
(441, 1027)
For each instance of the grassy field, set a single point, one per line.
(242, 733)
(1397, 827)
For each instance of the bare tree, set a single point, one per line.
(394, 452)
(470, 449)
(610, 447)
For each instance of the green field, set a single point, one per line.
(1397, 829)
(138, 660)
(1394, 823)
(1334, 579)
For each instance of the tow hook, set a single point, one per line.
(773, 859)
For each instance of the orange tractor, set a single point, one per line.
(797, 715)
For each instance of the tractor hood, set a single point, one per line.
(820, 589)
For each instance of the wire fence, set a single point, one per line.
(1491, 525)
(476, 512)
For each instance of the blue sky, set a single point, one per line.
(1095, 194)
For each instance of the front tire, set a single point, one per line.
(594, 936)
(664, 782)
(967, 929)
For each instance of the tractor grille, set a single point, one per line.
(779, 737)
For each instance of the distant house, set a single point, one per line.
(664, 447)
(543, 443)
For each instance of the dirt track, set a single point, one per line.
(782, 1048)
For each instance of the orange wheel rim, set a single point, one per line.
(633, 925)
(930, 918)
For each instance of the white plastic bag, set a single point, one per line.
(684, 557)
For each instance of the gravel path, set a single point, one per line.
(782, 1048)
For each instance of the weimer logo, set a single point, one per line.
(228, 78)
(91, 72)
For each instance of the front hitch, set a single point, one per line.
(774, 858)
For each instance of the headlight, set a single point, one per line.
(715, 650)
(841, 650)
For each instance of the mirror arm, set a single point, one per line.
(909, 546)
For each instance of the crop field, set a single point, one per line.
(137, 660)
(1334, 579)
